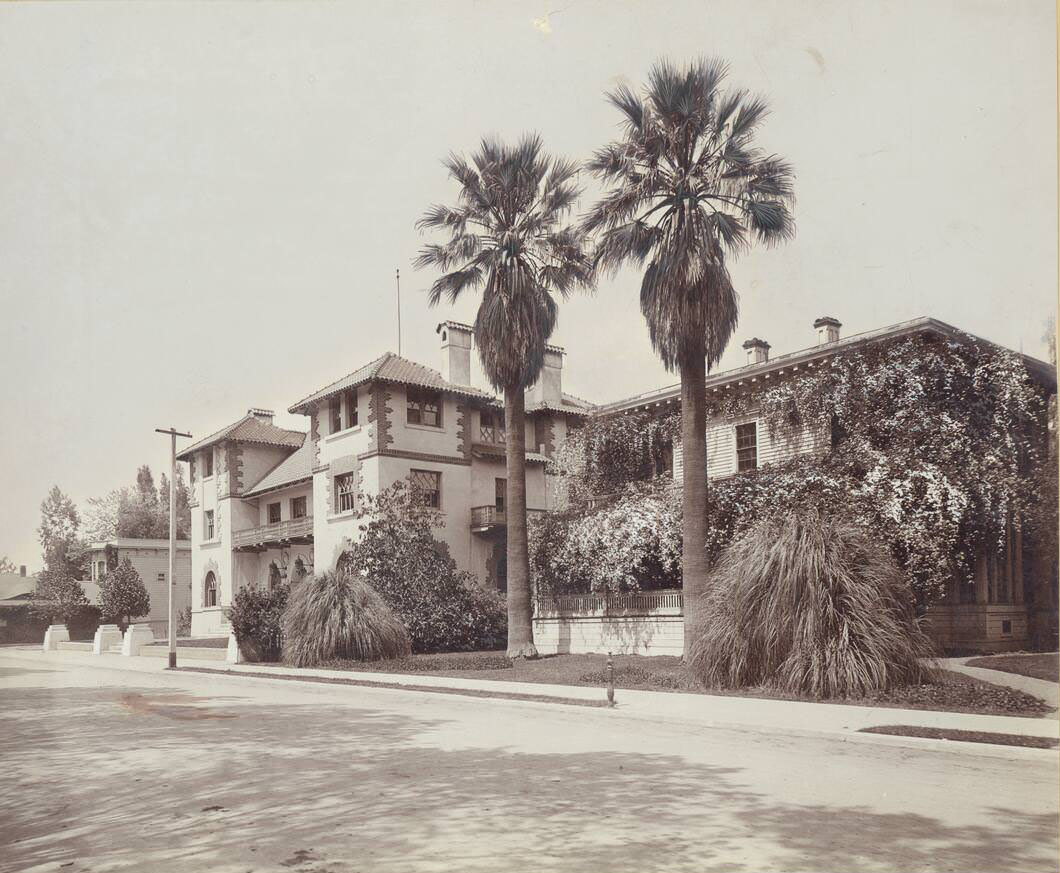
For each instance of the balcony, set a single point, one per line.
(282, 533)
(485, 519)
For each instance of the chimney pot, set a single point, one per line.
(827, 329)
(757, 350)
(456, 351)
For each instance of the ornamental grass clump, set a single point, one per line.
(809, 605)
(339, 616)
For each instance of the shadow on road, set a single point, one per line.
(168, 781)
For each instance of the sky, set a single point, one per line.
(202, 206)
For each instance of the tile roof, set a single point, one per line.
(249, 429)
(570, 404)
(389, 368)
(296, 467)
(480, 450)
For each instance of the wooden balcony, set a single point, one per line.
(489, 518)
(282, 533)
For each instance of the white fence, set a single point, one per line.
(645, 623)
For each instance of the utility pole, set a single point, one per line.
(397, 277)
(172, 632)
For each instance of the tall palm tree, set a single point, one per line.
(686, 191)
(507, 238)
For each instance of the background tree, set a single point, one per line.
(688, 191)
(122, 595)
(508, 239)
(58, 597)
(139, 512)
(63, 549)
(7, 566)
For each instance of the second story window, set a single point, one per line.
(424, 407)
(298, 507)
(207, 525)
(344, 492)
(500, 489)
(427, 487)
(491, 426)
(746, 446)
(350, 402)
(207, 463)
(335, 416)
(274, 513)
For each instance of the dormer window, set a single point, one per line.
(424, 407)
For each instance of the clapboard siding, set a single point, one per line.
(721, 446)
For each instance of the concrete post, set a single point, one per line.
(106, 636)
(136, 637)
(55, 634)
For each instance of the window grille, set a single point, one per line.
(746, 446)
(209, 594)
(344, 492)
(491, 426)
(298, 507)
(427, 487)
(424, 407)
(274, 513)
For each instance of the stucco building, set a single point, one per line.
(270, 503)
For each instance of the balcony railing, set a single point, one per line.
(666, 602)
(491, 434)
(485, 518)
(280, 532)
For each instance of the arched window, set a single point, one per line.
(209, 592)
(274, 576)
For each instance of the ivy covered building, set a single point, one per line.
(939, 441)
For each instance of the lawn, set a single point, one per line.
(949, 691)
(1036, 666)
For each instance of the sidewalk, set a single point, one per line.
(707, 710)
(1047, 691)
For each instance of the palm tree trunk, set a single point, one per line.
(694, 494)
(520, 621)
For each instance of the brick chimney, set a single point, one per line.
(827, 329)
(22, 570)
(757, 350)
(456, 351)
(263, 415)
(549, 386)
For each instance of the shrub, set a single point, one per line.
(807, 604)
(631, 543)
(58, 597)
(338, 615)
(443, 608)
(122, 594)
(184, 622)
(256, 619)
